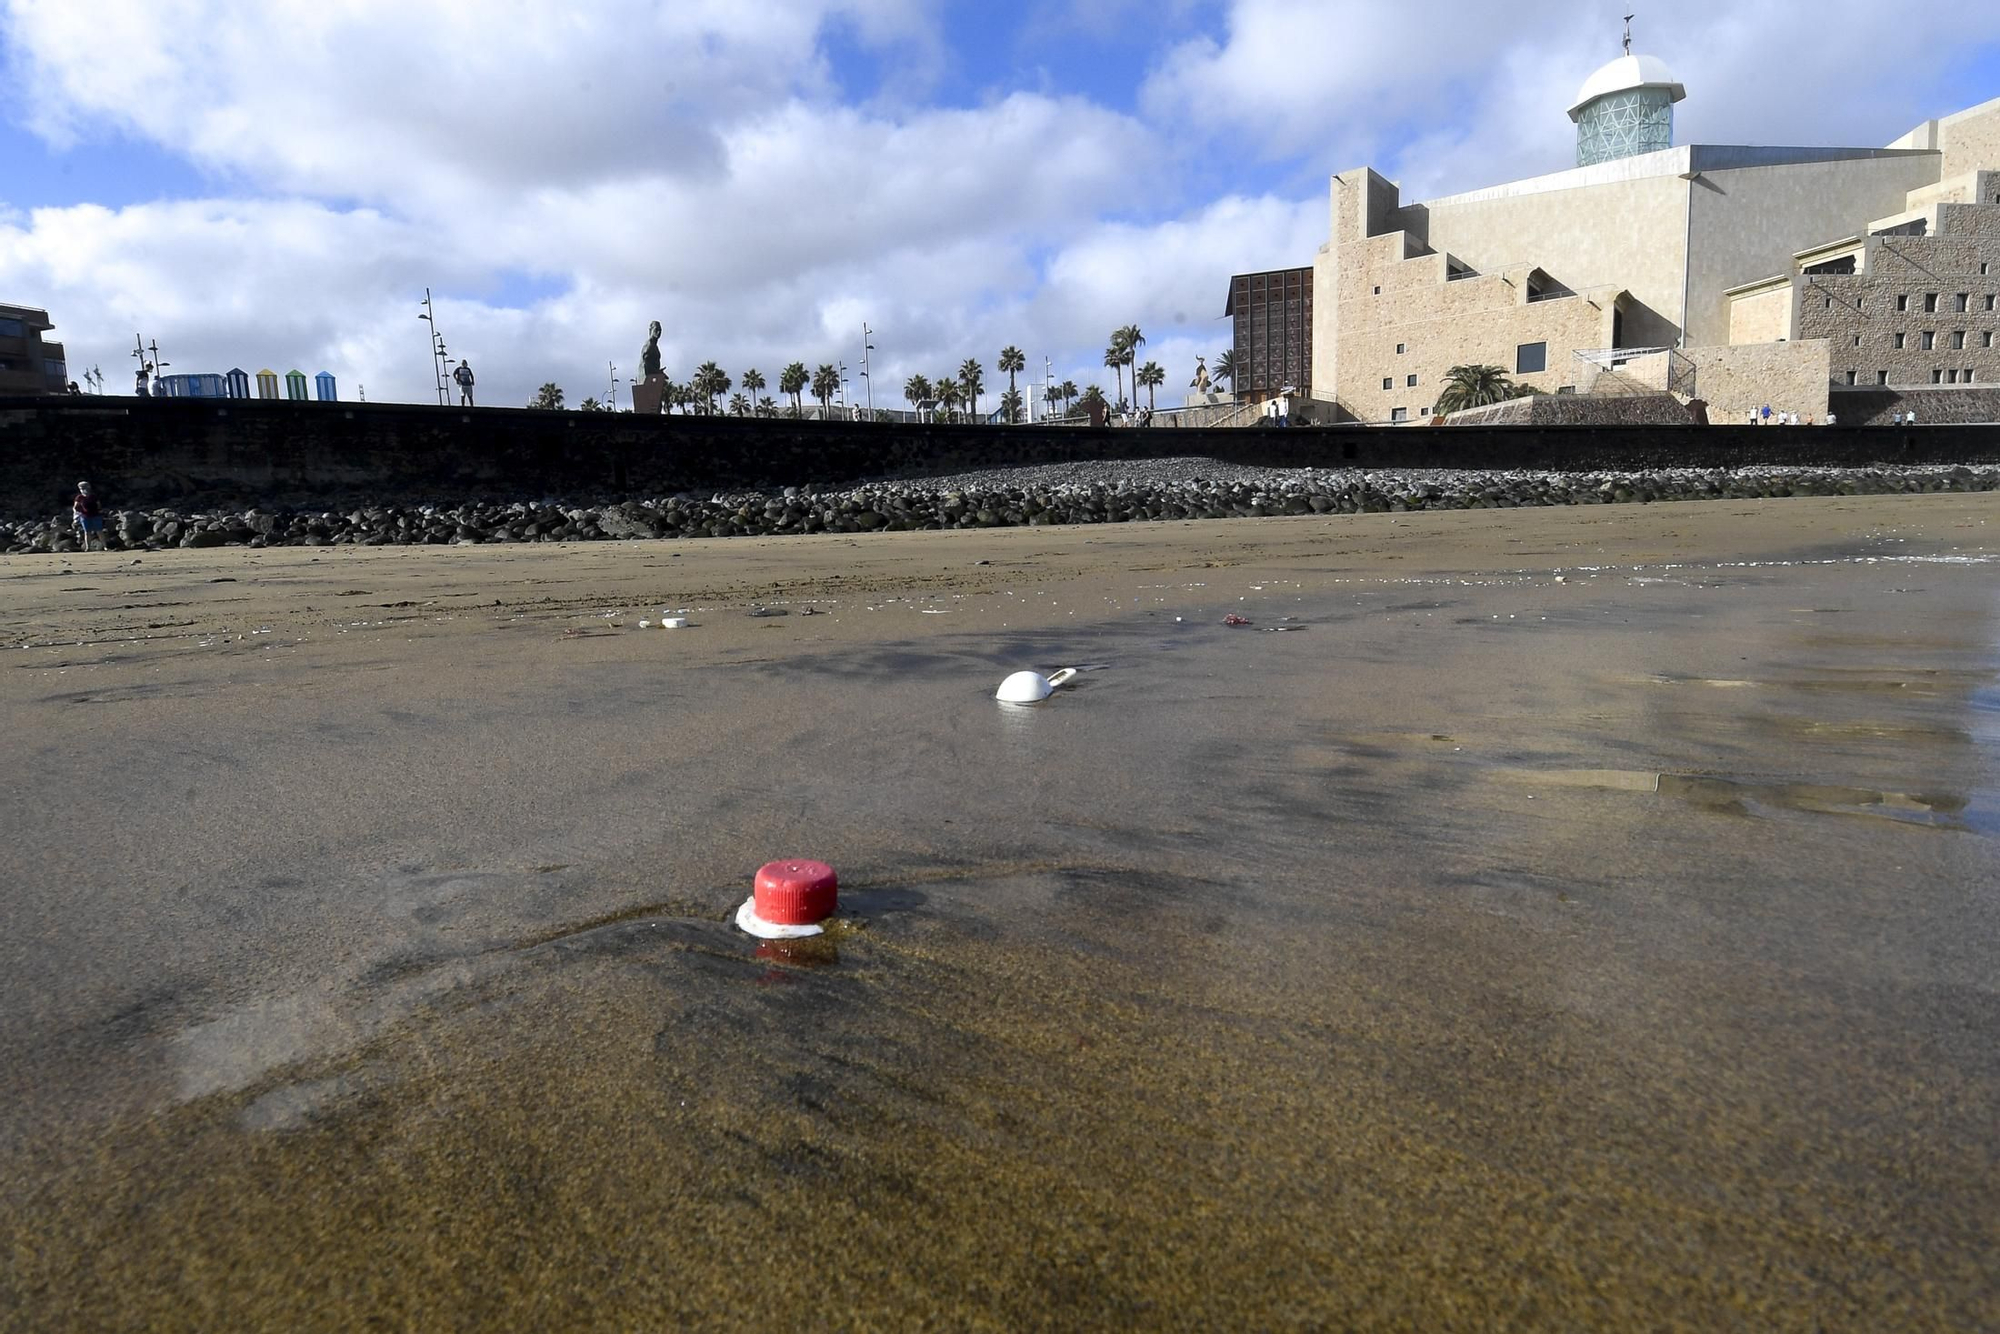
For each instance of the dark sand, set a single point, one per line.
(1492, 952)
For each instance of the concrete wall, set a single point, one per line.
(1761, 317)
(1746, 223)
(1594, 227)
(1786, 377)
(1971, 142)
(321, 456)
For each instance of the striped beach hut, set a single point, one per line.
(295, 385)
(238, 382)
(324, 389)
(267, 384)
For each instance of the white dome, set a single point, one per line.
(1624, 75)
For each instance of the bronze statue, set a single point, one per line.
(649, 355)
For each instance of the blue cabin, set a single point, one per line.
(238, 383)
(323, 388)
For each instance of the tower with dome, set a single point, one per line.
(1625, 108)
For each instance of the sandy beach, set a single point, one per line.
(1555, 918)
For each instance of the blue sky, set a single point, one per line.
(276, 182)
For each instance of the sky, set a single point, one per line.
(275, 183)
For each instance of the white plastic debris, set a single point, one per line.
(673, 622)
(1031, 687)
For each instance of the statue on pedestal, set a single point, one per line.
(649, 390)
(1200, 382)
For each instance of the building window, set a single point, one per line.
(1958, 339)
(1902, 339)
(1829, 303)
(1881, 377)
(1964, 301)
(1930, 339)
(10, 328)
(1401, 348)
(1409, 382)
(1982, 270)
(1902, 303)
(1937, 377)
(1399, 414)
(1989, 302)
(1857, 340)
(1930, 303)
(1986, 339)
(54, 369)
(1852, 376)
(1378, 291)
(1388, 382)
(1860, 302)
(1530, 358)
(1951, 378)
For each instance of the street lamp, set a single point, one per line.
(866, 348)
(613, 403)
(429, 316)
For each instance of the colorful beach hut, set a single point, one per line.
(267, 384)
(324, 389)
(295, 385)
(238, 383)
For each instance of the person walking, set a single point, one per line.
(463, 377)
(87, 515)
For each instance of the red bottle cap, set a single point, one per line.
(795, 893)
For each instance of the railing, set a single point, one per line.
(1595, 363)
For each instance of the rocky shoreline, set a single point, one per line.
(1162, 489)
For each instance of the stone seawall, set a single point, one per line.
(1161, 492)
(189, 454)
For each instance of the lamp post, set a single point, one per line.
(843, 387)
(429, 316)
(612, 402)
(866, 348)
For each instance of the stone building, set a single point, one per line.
(1679, 261)
(28, 363)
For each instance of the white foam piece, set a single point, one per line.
(747, 918)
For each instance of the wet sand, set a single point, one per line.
(1585, 918)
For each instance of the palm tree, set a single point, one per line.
(1114, 357)
(1068, 394)
(825, 384)
(972, 378)
(766, 407)
(1131, 340)
(709, 381)
(739, 406)
(1225, 367)
(916, 389)
(1094, 397)
(950, 394)
(1474, 387)
(753, 383)
(548, 396)
(793, 380)
(1011, 360)
(1151, 377)
(1010, 406)
(591, 405)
